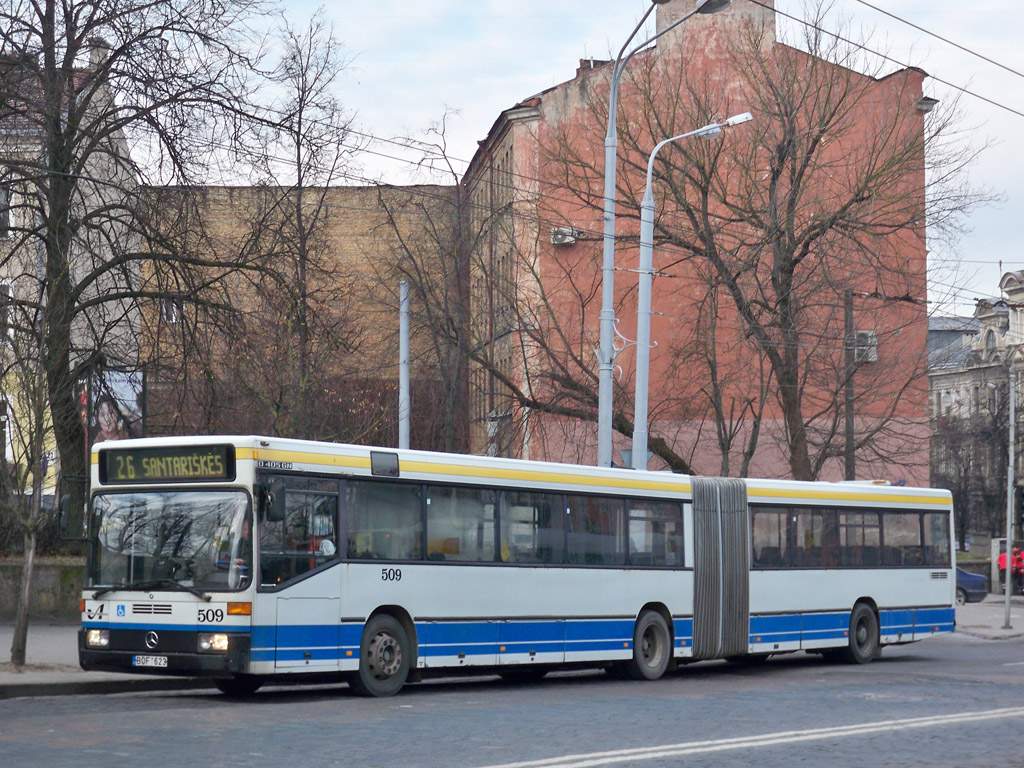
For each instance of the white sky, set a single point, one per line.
(414, 60)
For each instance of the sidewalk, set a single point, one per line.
(52, 656)
(51, 668)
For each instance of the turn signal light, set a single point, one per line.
(239, 609)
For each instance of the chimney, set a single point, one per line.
(588, 64)
(99, 51)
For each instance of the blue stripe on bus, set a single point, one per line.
(896, 622)
(937, 619)
(302, 636)
(492, 638)
(790, 628)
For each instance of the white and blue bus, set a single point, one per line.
(251, 559)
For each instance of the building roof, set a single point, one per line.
(959, 324)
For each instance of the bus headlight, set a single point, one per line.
(97, 638)
(213, 642)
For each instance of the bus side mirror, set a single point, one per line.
(62, 512)
(274, 502)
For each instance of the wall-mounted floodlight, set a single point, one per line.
(712, 6)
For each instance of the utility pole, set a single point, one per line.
(850, 458)
(404, 398)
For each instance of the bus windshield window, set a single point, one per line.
(201, 539)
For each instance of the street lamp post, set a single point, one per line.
(646, 270)
(606, 352)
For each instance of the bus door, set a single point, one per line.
(298, 562)
(721, 532)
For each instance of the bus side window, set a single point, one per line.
(655, 533)
(901, 537)
(769, 537)
(460, 524)
(531, 527)
(385, 520)
(936, 539)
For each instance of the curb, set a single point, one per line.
(95, 687)
(988, 636)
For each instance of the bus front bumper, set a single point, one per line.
(127, 656)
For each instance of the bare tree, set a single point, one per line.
(969, 454)
(97, 100)
(830, 188)
(299, 354)
(731, 376)
(305, 299)
(26, 427)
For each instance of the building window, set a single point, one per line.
(865, 347)
(170, 310)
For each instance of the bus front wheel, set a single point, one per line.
(383, 658)
(652, 647)
(239, 687)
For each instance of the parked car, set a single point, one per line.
(970, 587)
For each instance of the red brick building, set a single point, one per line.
(765, 239)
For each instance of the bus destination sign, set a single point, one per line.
(200, 463)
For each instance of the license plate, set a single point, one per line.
(149, 661)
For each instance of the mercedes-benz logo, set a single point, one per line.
(152, 638)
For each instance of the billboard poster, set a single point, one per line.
(115, 399)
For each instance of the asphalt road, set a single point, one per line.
(948, 701)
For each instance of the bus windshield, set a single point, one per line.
(197, 540)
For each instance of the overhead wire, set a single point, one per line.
(946, 40)
(430, 150)
(889, 58)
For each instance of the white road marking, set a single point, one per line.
(763, 740)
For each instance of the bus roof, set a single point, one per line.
(314, 456)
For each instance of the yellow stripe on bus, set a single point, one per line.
(754, 492)
(430, 468)
(540, 476)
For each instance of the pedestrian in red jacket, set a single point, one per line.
(1017, 567)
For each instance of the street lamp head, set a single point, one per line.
(745, 117)
(711, 6)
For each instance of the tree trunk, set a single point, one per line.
(20, 641)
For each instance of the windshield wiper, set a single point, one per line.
(152, 584)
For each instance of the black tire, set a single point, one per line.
(652, 647)
(749, 659)
(864, 643)
(384, 657)
(523, 674)
(961, 596)
(237, 687)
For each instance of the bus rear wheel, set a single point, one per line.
(384, 657)
(652, 647)
(864, 644)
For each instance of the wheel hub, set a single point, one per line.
(385, 655)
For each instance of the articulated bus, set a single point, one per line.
(248, 560)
